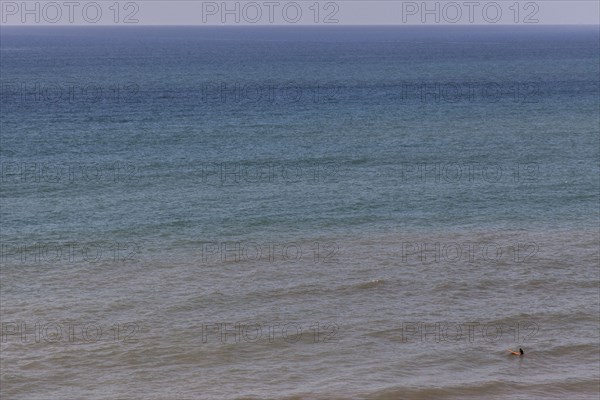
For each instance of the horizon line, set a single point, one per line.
(289, 25)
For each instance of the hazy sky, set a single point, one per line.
(299, 12)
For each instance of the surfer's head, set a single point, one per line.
(521, 351)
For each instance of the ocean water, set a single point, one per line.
(300, 213)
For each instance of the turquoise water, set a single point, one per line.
(135, 160)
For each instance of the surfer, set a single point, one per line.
(519, 353)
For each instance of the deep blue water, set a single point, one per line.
(517, 146)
